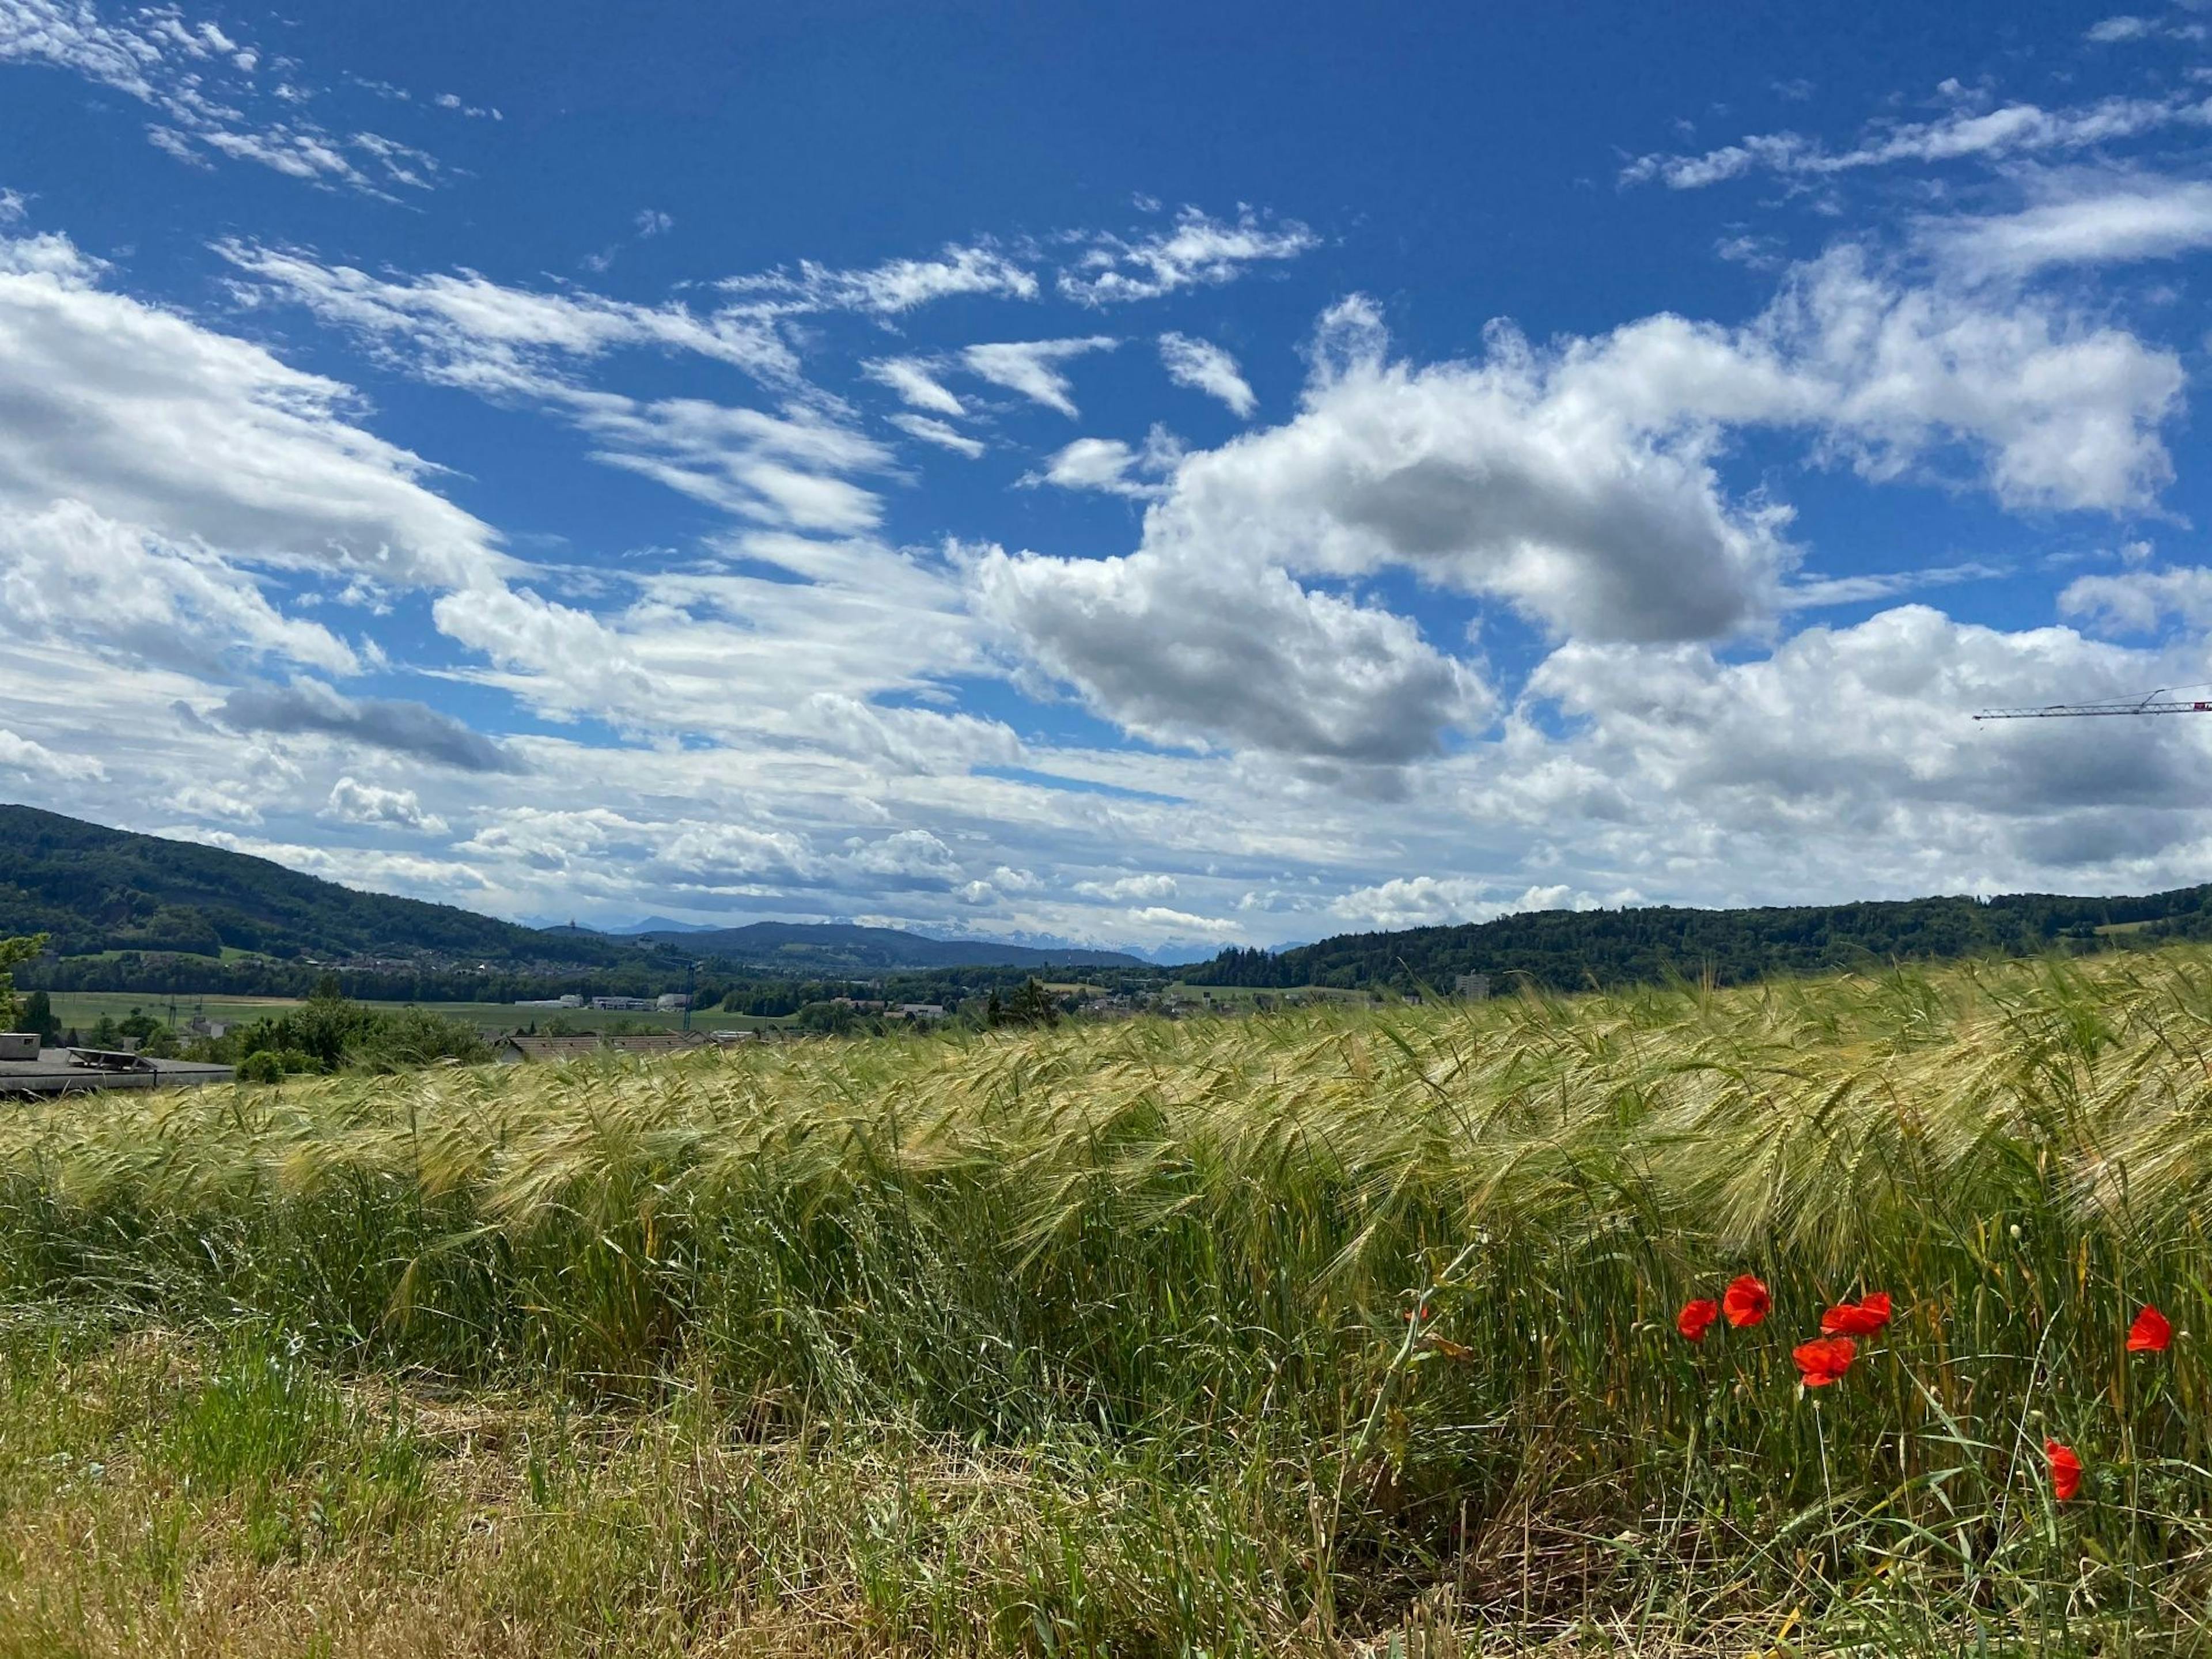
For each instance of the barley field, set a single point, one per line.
(1339, 1332)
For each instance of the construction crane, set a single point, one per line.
(2160, 702)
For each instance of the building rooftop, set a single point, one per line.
(67, 1071)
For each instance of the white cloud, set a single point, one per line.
(779, 469)
(913, 379)
(227, 802)
(1199, 250)
(1204, 366)
(905, 858)
(464, 329)
(2099, 220)
(19, 753)
(1970, 132)
(203, 446)
(895, 286)
(1436, 901)
(200, 84)
(1032, 367)
(1130, 887)
(1578, 484)
(2138, 601)
(2057, 410)
(936, 432)
(68, 572)
(354, 802)
(1112, 467)
(513, 344)
(2125, 29)
(1190, 651)
(1852, 753)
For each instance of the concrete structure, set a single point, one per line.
(78, 1070)
(572, 1000)
(624, 1004)
(1471, 987)
(674, 1002)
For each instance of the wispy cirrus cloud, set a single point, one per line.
(1204, 366)
(895, 286)
(2085, 218)
(1198, 251)
(208, 92)
(1032, 368)
(1971, 130)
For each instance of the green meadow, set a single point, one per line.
(1344, 1331)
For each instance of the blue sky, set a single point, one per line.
(1175, 476)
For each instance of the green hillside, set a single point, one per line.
(141, 913)
(98, 890)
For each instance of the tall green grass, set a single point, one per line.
(1252, 1335)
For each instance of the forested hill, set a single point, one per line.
(1575, 950)
(96, 889)
(821, 947)
(132, 912)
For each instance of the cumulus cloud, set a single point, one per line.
(1184, 651)
(2138, 601)
(1112, 467)
(1204, 366)
(1130, 887)
(410, 729)
(22, 755)
(906, 858)
(1854, 748)
(1198, 250)
(1579, 483)
(354, 802)
(1032, 368)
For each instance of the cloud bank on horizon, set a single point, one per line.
(622, 480)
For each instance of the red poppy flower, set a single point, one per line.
(1824, 1359)
(2152, 1332)
(1746, 1302)
(1697, 1317)
(1858, 1318)
(2065, 1470)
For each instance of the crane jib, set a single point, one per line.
(2091, 710)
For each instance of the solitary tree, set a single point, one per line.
(12, 951)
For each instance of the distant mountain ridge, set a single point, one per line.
(97, 890)
(829, 946)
